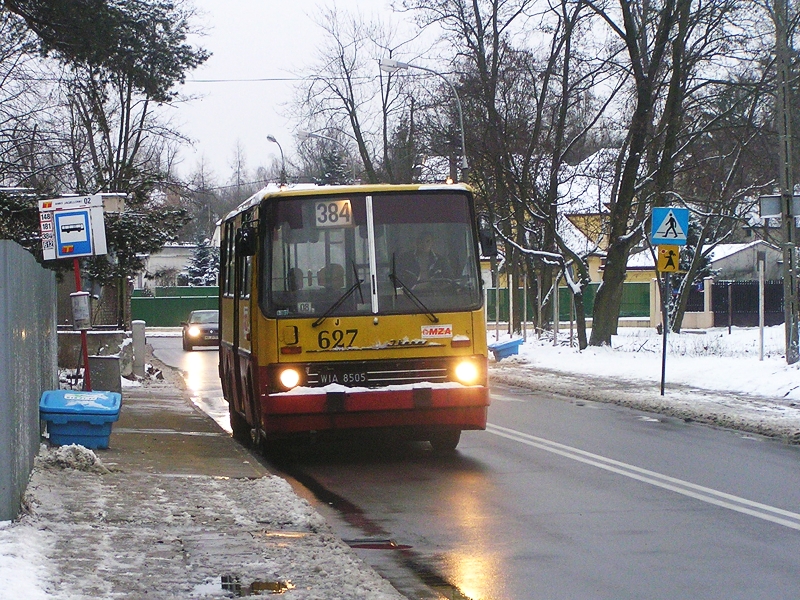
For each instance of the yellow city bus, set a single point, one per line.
(353, 308)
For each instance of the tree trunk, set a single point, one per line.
(580, 321)
(609, 296)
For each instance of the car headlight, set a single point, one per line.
(467, 372)
(289, 378)
(194, 331)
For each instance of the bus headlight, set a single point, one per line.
(194, 331)
(467, 372)
(289, 378)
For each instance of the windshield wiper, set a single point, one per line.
(345, 296)
(396, 281)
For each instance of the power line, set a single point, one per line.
(263, 79)
(246, 80)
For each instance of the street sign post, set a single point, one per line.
(72, 227)
(669, 226)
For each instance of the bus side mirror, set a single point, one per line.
(246, 241)
(486, 238)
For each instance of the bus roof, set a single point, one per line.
(310, 189)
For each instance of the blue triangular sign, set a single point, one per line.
(669, 226)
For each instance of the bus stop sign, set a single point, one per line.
(73, 233)
(72, 227)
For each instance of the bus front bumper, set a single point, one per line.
(319, 410)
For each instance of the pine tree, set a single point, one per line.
(203, 269)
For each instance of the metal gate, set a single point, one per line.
(736, 303)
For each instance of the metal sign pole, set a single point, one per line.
(87, 377)
(664, 328)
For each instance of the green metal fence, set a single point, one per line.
(167, 307)
(635, 301)
(171, 305)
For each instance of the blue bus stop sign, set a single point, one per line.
(669, 226)
(73, 233)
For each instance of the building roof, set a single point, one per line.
(721, 251)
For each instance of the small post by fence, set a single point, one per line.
(138, 335)
(556, 316)
(525, 304)
(730, 307)
(762, 260)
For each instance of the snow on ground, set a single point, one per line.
(711, 376)
(712, 359)
(147, 535)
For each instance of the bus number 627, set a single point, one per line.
(336, 338)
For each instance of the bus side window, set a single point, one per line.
(229, 258)
(246, 270)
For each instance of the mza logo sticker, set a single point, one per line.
(437, 331)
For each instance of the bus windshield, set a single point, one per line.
(389, 253)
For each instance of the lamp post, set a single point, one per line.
(272, 139)
(305, 135)
(393, 66)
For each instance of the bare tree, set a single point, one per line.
(342, 84)
(671, 46)
(346, 93)
(529, 111)
(724, 166)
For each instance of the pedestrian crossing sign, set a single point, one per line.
(669, 226)
(669, 259)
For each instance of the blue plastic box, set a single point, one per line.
(503, 349)
(75, 417)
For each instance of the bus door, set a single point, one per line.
(244, 252)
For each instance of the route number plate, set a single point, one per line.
(333, 213)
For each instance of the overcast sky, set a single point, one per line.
(250, 39)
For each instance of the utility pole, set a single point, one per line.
(783, 116)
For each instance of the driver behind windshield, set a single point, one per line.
(422, 263)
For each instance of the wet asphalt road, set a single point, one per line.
(561, 499)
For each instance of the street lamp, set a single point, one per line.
(271, 138)
(393, 66)
(306, 135)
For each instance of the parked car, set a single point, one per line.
(201, 329)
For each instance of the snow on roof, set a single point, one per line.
(641, 260)
(721, 251)
(575, 239)
(585, 190)
(586, 187)
(273, 188)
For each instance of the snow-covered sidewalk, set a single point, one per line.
(174, 509)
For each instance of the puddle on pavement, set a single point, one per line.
(433, 581)
(375, 544)
(232, 585)
(440, 586)
(353, 515)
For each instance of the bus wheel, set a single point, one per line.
(239, 426)
(445, 441)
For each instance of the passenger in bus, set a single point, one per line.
(422, 263)
(331, 276)
(294, 279)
